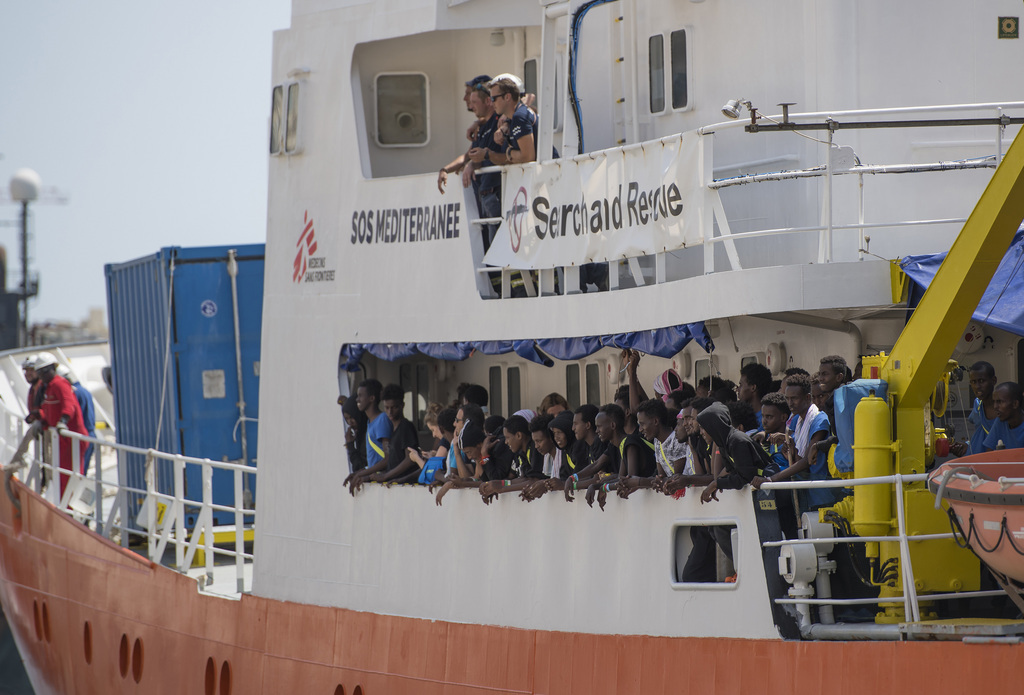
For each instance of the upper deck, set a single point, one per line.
(360, 180)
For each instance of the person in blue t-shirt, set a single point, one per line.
(808, 427)
(88, 406)
(1008, 430)
(983, 414)
(378, 433)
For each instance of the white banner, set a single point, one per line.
(614, 205)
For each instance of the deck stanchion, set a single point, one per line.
(97, 507)
(150, 505)
(911, 607)
(207, 516)
(178, 518)
(239, 533)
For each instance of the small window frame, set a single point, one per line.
(286, 112)
(650, 76)
(426, 112)
(669, 97)
(680, 526)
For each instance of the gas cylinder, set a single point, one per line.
(872, 456)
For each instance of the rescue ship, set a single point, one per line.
(749, 173)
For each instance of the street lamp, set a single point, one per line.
(25, 187)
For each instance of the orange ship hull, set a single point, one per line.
(92, 617)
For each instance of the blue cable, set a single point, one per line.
(577, 23)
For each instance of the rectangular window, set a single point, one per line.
(572, 385)
(291, 138)
(494, 390)
(422, 393)
(711, 567)
(405, 376)
(402, 117)
(530, 81)
(656, 63)
(680, 95)
(276, 119)
(701, 369)
(749, 359)
(594, 384)
(514, 397)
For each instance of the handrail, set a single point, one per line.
(909, 597)
(714, 210)
(81, 487)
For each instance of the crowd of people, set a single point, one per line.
(716, 436)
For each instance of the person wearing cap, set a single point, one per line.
(88, 406)
(480, 81)
(59, 409)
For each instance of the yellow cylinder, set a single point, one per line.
(872, 456)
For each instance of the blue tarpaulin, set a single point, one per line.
(1002, 305)
(661, 342)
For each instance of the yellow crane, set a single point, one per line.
(895, 436)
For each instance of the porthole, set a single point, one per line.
(35, 619)
(46, 622)
(211, 676)
(137, 657)
(87, 642)
(123, 656)
(225, 679)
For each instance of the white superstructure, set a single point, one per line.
(370, 106)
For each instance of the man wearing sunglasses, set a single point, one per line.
(517, 124)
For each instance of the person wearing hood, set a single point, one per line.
(742, 459)
(565, 461)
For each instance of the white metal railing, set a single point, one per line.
(909, 598)
(162, 516)
(653, 268)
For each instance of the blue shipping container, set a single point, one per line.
(174, 366)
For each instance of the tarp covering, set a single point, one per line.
(1002, 305)
(660, 342)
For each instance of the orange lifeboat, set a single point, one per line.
(985, 493)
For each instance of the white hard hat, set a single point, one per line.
(63, 371)
(514, 78)
(45, 359)
(29, 362)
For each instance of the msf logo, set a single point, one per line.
(306, 247)
(516, 219)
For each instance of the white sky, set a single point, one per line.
(151, 116)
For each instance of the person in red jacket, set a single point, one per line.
(59, 409)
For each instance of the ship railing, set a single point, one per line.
(655, 268)
(909, 598)
(161, 519)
